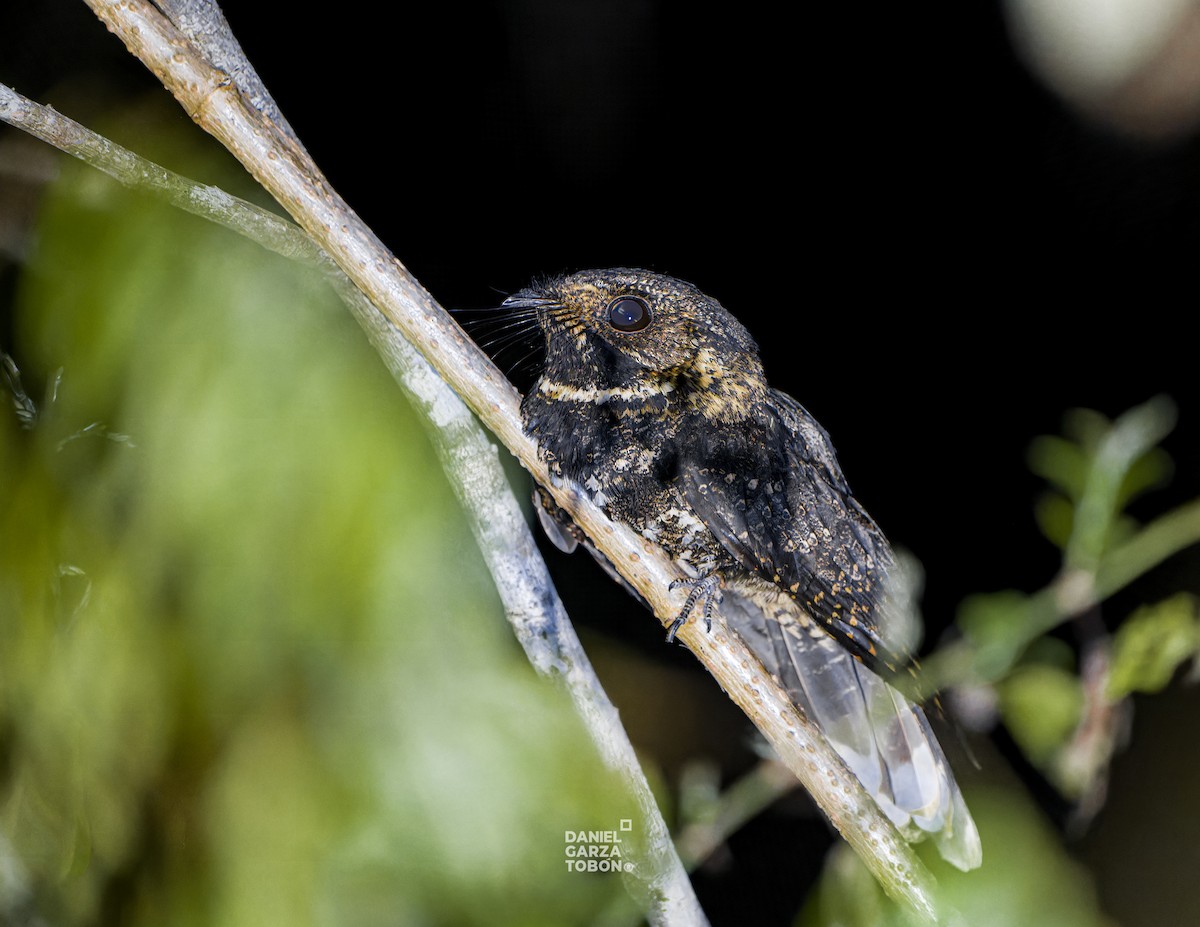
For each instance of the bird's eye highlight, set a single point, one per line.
(628, 314)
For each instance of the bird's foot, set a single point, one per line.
(707, 588)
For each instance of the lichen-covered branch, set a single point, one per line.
(283, 168)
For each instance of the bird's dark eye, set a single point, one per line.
(628, 314)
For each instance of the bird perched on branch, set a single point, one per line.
(653, 400)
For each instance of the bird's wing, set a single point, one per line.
(776, 499)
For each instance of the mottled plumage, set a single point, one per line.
(654, 400)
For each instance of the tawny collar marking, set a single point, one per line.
(601, 395)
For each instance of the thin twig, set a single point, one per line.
(1070, 593)
(737, 804)
(214, 102)
(132, 170)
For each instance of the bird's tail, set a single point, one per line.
(884, 738)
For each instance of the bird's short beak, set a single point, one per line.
(527, 299)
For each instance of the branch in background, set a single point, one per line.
(998, 629)
(469, 458)
(711, 816)
(214, 101)
(1070, 722)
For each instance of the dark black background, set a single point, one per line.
(937, 257)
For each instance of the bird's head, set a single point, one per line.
(622, 328)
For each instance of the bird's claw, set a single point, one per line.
(707, 588)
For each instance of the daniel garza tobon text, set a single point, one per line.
(596, 850)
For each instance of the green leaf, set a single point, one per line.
(1041, 706)
(996, 624)
(1087, 428)
(1150, 471)
(1151, 645)
(1060, 463)
(1099, 467)
(1055, 517)
(1051, 651)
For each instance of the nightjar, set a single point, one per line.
(654, 401)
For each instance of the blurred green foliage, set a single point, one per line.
(1042, 705)
(1093, 471)
(1026, 879)
(1066, 717)
(1151, 645)
(251, 668)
